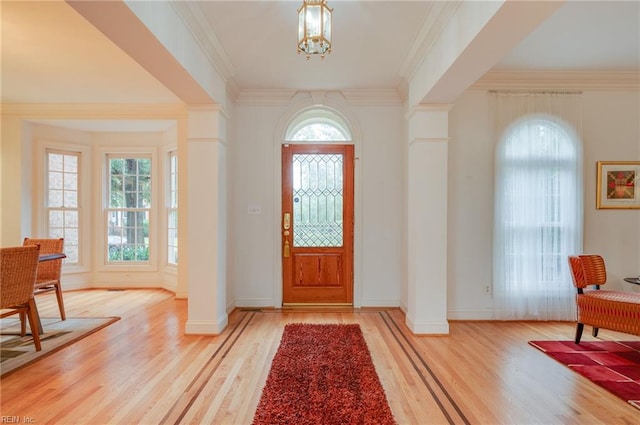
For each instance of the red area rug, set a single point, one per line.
(322, 374)
(613, 365)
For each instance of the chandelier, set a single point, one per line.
(314, 28)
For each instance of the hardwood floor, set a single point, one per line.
(143, 369)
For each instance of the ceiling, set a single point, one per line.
(371, 41)
(51, 54)
(582, 35)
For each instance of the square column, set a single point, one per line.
(15, 180)
(428, 131)
(204, 210)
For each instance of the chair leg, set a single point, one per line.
(579, 329)
(60, 302)
(33, 323)
(23, 324)
(594, 332)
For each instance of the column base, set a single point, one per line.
(428, 328)
(206, 327)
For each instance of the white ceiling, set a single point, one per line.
(371, 40)
(583, 35)
(51, 54)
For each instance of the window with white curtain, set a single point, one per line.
(538, 205)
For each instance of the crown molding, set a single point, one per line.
(193, 17)
(94, 111)
(266, 96)
(559, 80)
(372, 97)
(232, 89)
(277, 97)
(439, 15)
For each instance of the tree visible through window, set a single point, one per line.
(319, 132)
(129, 205)
(63, 201)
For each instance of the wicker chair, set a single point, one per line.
(49, 271)
(18, 268)
(614, 310)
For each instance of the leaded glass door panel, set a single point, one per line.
(317, 224)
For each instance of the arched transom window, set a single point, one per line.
(318, 125)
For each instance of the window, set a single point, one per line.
(129, 208)
(62, 200)
(538, 205)
(319, 132)
(172, 211)
(318, 125)
(318, 192)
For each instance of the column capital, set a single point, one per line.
(428, 121)
(206, 122)
(212, 107)
(422, 109)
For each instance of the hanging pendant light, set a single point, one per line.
(314, 28)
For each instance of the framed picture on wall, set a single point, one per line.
(618, 185)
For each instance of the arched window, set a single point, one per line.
(318, 125)
(538, 218)
(319, 131)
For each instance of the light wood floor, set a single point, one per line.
(143, 369)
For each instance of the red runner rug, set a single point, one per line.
(323, 374)
(613, 365)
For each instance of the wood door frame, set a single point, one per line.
(331, 294)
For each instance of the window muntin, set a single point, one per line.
(172, 210)
(319, 132)
(318, 200)
(128, 208)
(538, 160)
(63, 200)
(318, 124)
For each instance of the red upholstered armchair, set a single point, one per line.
(614, 310)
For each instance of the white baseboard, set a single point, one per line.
(380, 302)
(254, 302)
(485, 314)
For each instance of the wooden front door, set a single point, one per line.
(317, 224)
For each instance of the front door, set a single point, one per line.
(317, 224)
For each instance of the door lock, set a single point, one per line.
(286, 221)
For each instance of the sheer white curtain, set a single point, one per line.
(538, 204)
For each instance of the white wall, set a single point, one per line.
(382, 204)
(254, 245)
(470, 208)
(251, 244)
(611, 131)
